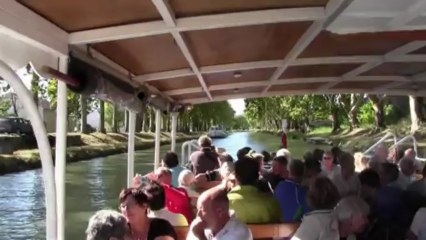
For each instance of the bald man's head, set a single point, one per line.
(164, 175)
(213, 206)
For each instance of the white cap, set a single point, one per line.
(284, 152)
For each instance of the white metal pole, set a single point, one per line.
(43, 145)
(173, 132)
(61, 148)
(131, 148)
(157, 138)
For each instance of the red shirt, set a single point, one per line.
(177, 201)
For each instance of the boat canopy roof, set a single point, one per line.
(195, 51)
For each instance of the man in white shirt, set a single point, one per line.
(406, 173)
(214, 222)
(418, 226)
(347, 181)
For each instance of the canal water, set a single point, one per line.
(95, 184)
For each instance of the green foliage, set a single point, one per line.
(109, 112)
(5, 105)
(366, 114)
(202, 116)
(240, 123)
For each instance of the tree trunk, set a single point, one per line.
(114, 124)
(83, 114)
(138, 124)
(421, 108)
(15, 109)
(379, 116)
(102, 116)
(355, 104)
(335, 119)
(414, 113)
(126, 121)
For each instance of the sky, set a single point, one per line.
(238, 105)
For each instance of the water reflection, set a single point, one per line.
(93, 185)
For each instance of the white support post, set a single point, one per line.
(61, 149)
(131, 148)
(174, 116)
(157, 138)
(40, 133)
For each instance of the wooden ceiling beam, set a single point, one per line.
(21, 23)
(170, 24)
(166, 13)
(333, 9)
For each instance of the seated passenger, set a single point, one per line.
(290, 194)
(361, 162)
(279, 171)
(418, 227)
(157, 205)
(284, 152)
(381, 153)
(410, 153)
(321, 223)
(171, 162)
(134, 206)
(329, 169)
(177, 199)
(312, 170)
(407, 172)
(206, 159)
(391, 210)
(186, 181)
(214, 220)
(251, 205)
(241, 153)
(370, 185)
(108, 225)
(419, 186)
(352, 213)
(346, 180)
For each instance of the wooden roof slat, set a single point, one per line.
(77, 15)
(196, 23)
(187, 8)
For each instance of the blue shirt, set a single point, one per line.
(175, 175)
(292, 200)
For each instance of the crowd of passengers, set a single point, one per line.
(332, 194)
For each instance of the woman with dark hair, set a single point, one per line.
(134, 206)
(321, 223)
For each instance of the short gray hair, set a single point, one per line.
(106, 224)
(204, 141)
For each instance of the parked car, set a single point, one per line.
(15, 126)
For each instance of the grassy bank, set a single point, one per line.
(83, 147)
(360, 139)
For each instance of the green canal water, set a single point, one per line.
(94, 184)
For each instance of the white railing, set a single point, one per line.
(381, 140)
(187, 149)
(414, 141)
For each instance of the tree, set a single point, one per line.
(414, 114)
(83, 114)
(4, 107)
(101, 116)
(378, 106)
(351, 104)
